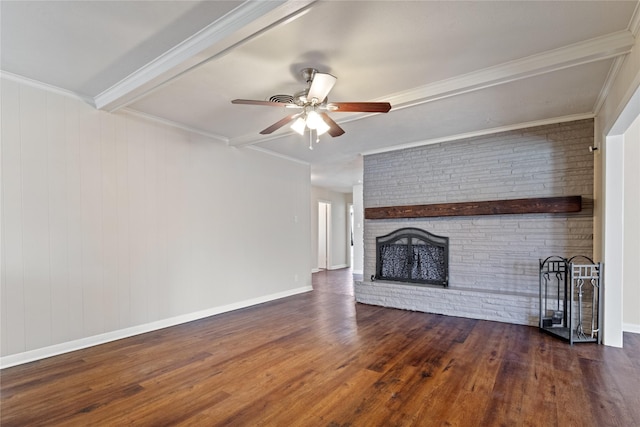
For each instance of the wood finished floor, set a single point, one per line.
(318, 359)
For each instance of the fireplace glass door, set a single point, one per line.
(413, 255)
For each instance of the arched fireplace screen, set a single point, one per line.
(413, 255)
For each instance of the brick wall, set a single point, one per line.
(493, 260)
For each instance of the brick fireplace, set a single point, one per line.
(493, 259)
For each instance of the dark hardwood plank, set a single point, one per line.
(567, 204)
(320, 359)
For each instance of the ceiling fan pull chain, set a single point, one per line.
(310, 139)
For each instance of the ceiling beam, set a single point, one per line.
(248, 20)
(597, 49)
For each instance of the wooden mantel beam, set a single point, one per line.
(494, 207)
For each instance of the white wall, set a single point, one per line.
(620, 109)
(339, 249)
(110, 222)
(631, 235)
(612, 153)
(358, 232)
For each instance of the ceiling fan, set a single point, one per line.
(314, 104)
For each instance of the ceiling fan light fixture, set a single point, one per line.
(299, 125)
(322, 127)
(313, 120)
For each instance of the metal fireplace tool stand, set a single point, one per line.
(570, 295)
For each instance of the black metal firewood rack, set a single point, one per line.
(570, 298)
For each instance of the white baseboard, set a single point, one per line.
(54, 350)
(631, 327)
(333, 267)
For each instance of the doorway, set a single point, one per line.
(350, 236)
(324, 234)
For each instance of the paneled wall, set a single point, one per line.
(493, 259)
(110, 221)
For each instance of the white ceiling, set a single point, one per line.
(449, 69)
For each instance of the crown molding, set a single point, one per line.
(608, 84)
(45, 87)
(627, 110)
(251, 139)
(482, 132)
(634, 23)
(281, 156)
(238, 26)
(176, 125)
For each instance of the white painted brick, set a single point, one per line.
(488, 254)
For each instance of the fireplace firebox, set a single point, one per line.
(413, 255)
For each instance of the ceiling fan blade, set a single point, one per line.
(254, 102)
(277, 125)
(359, 107)
(334, 129)
(321, 85)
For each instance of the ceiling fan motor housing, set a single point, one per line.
(308, 74)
